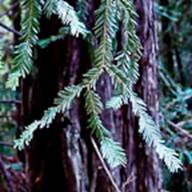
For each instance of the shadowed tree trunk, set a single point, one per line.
(62, 158)
(143, 163)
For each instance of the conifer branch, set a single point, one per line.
(30, 14)
(105, 31)
(123, 70)
(125, 74)
(147, 127)
(110, 150)
(67, 14)
(62, 104)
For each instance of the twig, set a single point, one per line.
(128, 181)
(10, 29)
(105, 166)
(178, 128)
(10, 102)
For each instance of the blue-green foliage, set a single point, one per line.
(121, 66)
(30, 14)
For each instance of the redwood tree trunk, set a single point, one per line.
(143, 162)
(62, 158)
(148, 88)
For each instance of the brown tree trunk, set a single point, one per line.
(143, 162)
(62, 158)
(150, 168)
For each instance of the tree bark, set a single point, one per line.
(143, 162)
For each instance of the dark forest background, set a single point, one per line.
(63, 157)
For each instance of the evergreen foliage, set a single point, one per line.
(121, 66)
(30, 14)
(63, 103)
(115, 155)
(67, 14)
